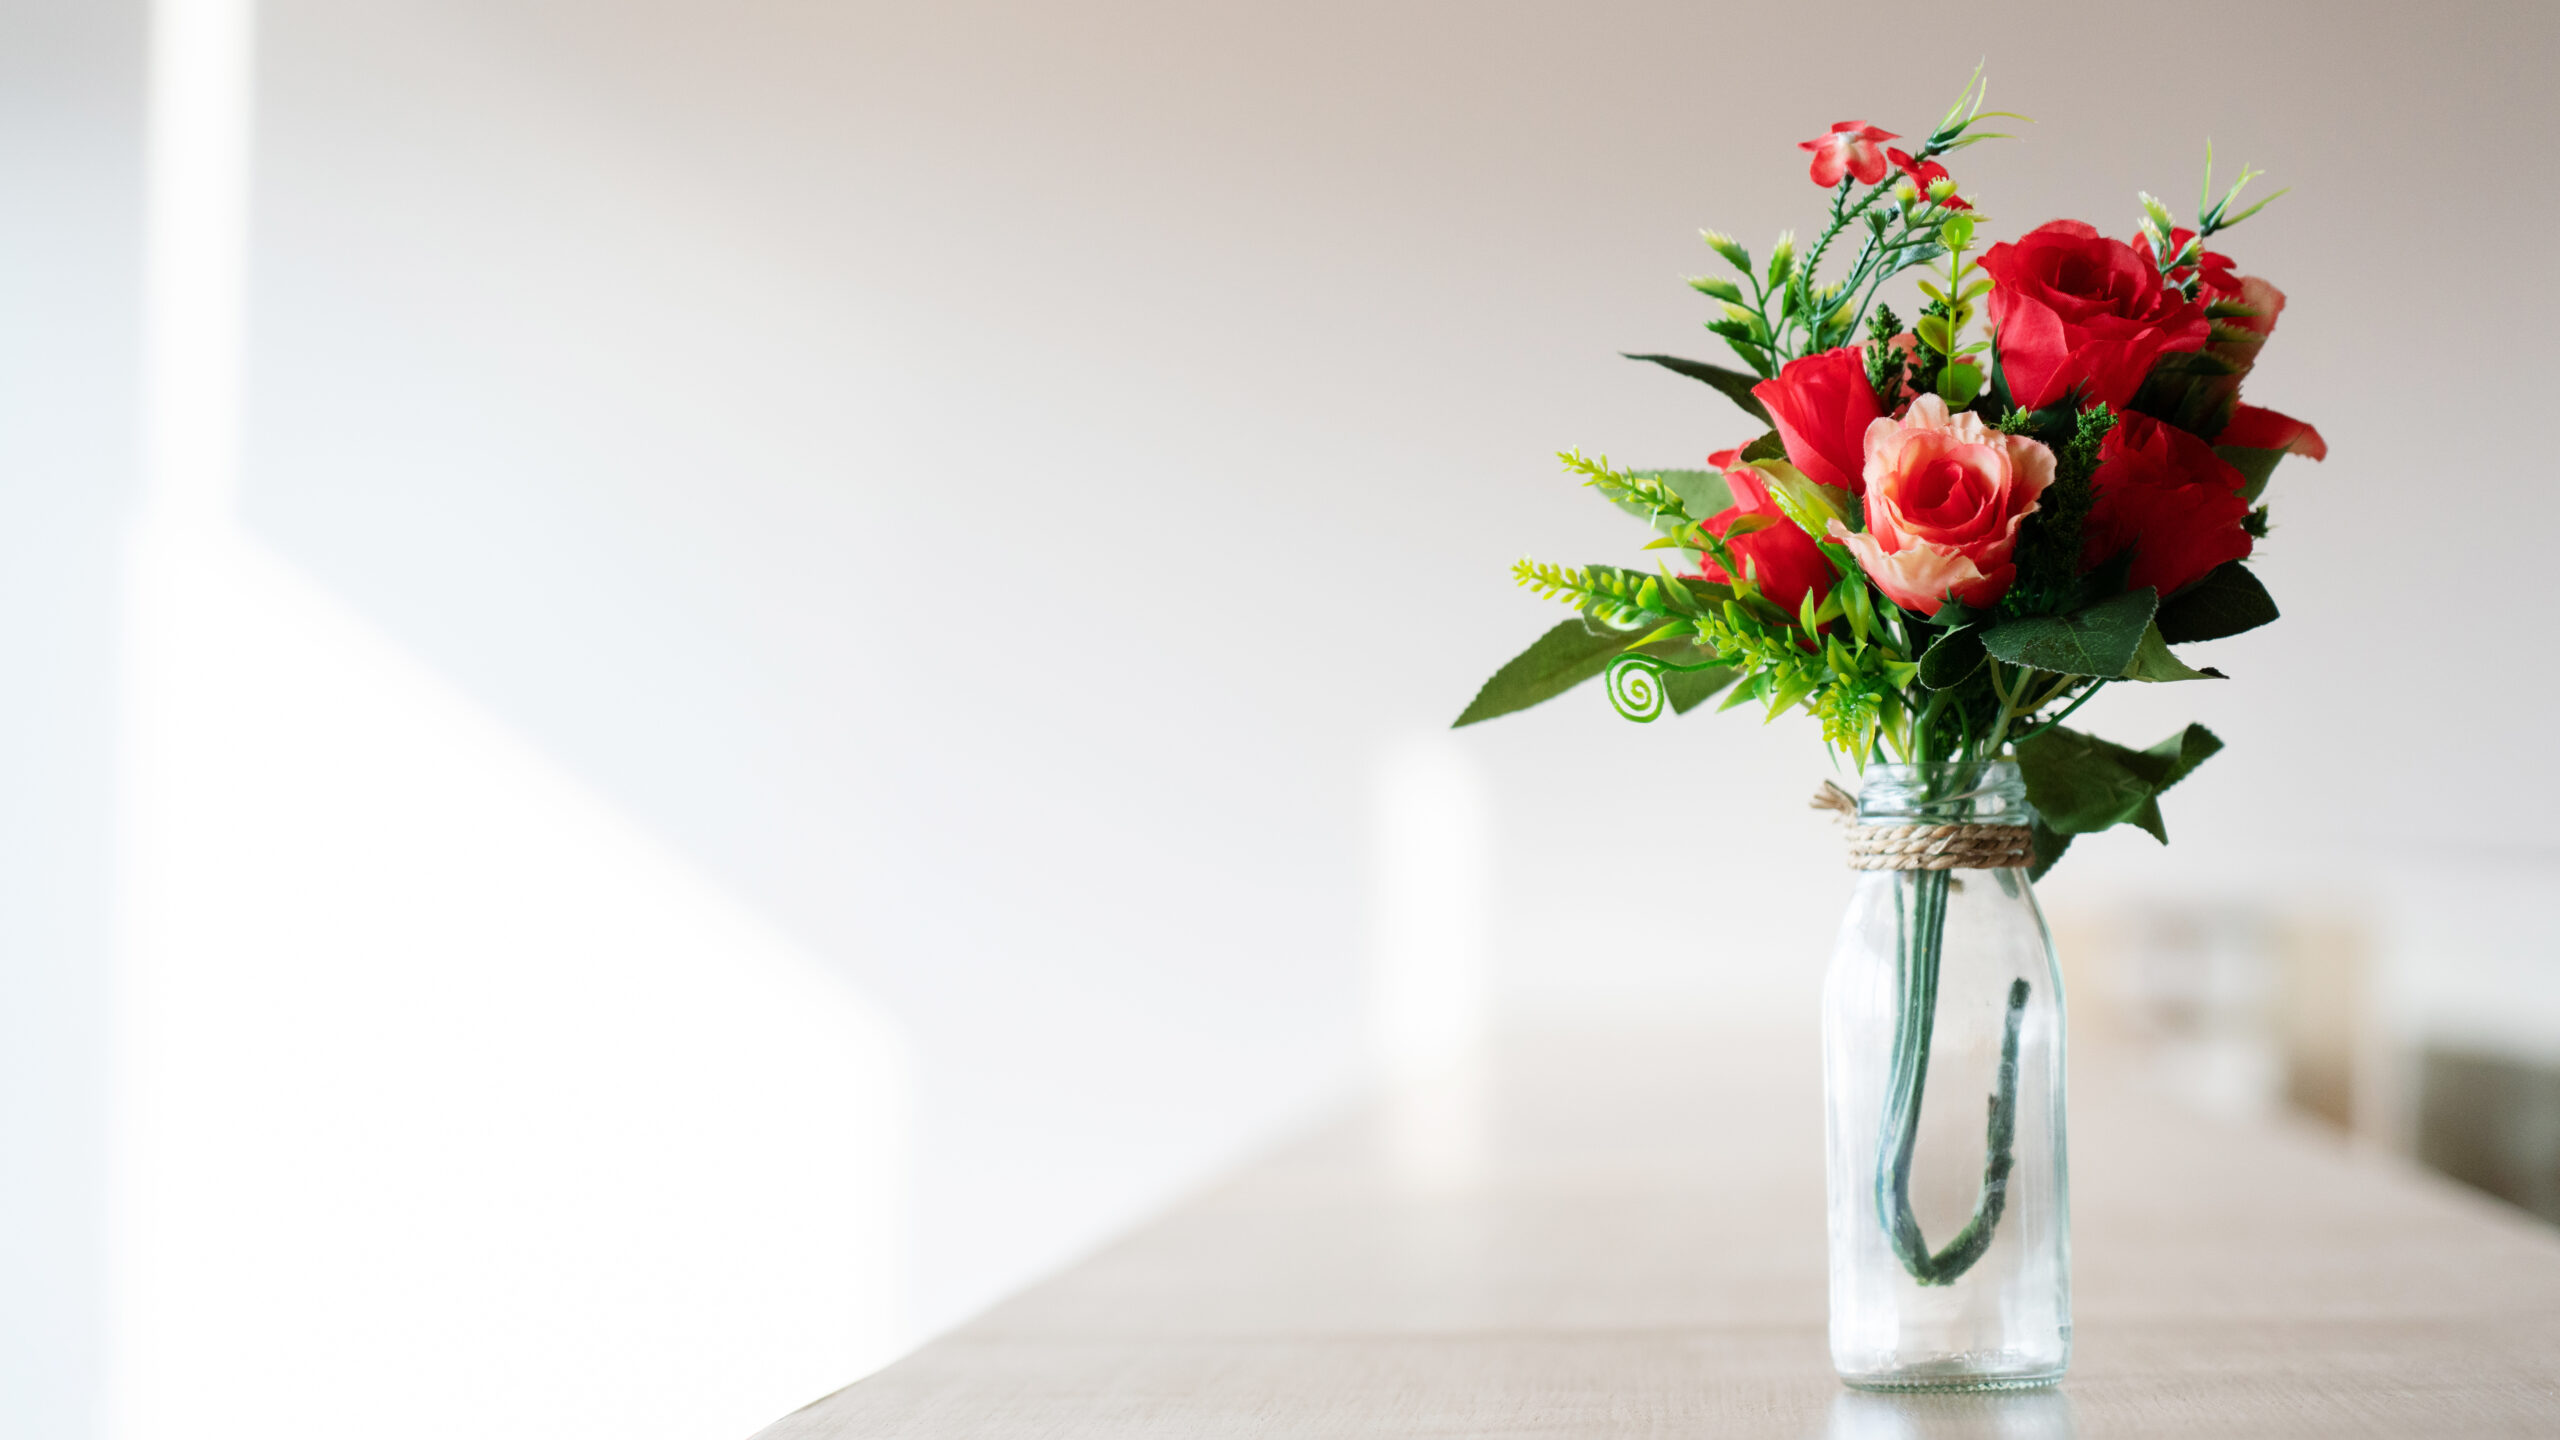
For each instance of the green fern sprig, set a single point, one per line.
(1642, 493)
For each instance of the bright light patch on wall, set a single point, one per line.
(1431, 882)
(1432, 893)
(447, 1101)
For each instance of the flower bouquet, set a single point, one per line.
(1947, 538)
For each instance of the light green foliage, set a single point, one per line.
(1642, 494)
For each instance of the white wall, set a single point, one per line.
(70, 258)
(981, 484)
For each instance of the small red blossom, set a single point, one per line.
(1923, 174)
(1850, 149)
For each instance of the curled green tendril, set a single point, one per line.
(1635, 686)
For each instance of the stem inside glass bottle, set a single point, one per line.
(1920, 930)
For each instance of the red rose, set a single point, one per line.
(1781, 559)
(1850, 149)
(2164, 494)
(1822, 405)
(2075, 310)
(2203, 397)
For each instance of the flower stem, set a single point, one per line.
(1920, 941)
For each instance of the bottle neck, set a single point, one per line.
(1968, 792)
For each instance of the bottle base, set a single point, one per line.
(1957, 1373)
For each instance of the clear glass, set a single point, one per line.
(1942, 1044)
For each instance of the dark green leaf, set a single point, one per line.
(1956, 615)
(1952, 660)
(2185, 751)
(2049, 845)
(1562, 658)
(2225, 602)
(2100, 640)
(2254, 465)
(1734, 385)
(2079, 783)
(1767, 447)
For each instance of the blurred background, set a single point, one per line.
(691, 685)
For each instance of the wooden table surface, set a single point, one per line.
(1622, 1235)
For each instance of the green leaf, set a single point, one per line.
(1956, 615)
(1789, 689)
(2049, 844)
(2185, 751)
(1959, 383)
(1562, 658)
(1768, 447)
(1728, 247)
(2155, 663)
(2226, 602)
(1689, 689)
(1749, 689)
(1702, 493)
(1952, 660)
(2254, 465)
(2100, 640)
(1734, 385)
(2080, 784)
(1811, 505)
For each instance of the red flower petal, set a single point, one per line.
(2253, 428)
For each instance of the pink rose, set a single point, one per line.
(1945, 495)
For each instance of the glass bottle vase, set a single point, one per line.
(1942, 1039)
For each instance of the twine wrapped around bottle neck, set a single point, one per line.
(1926, 847)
